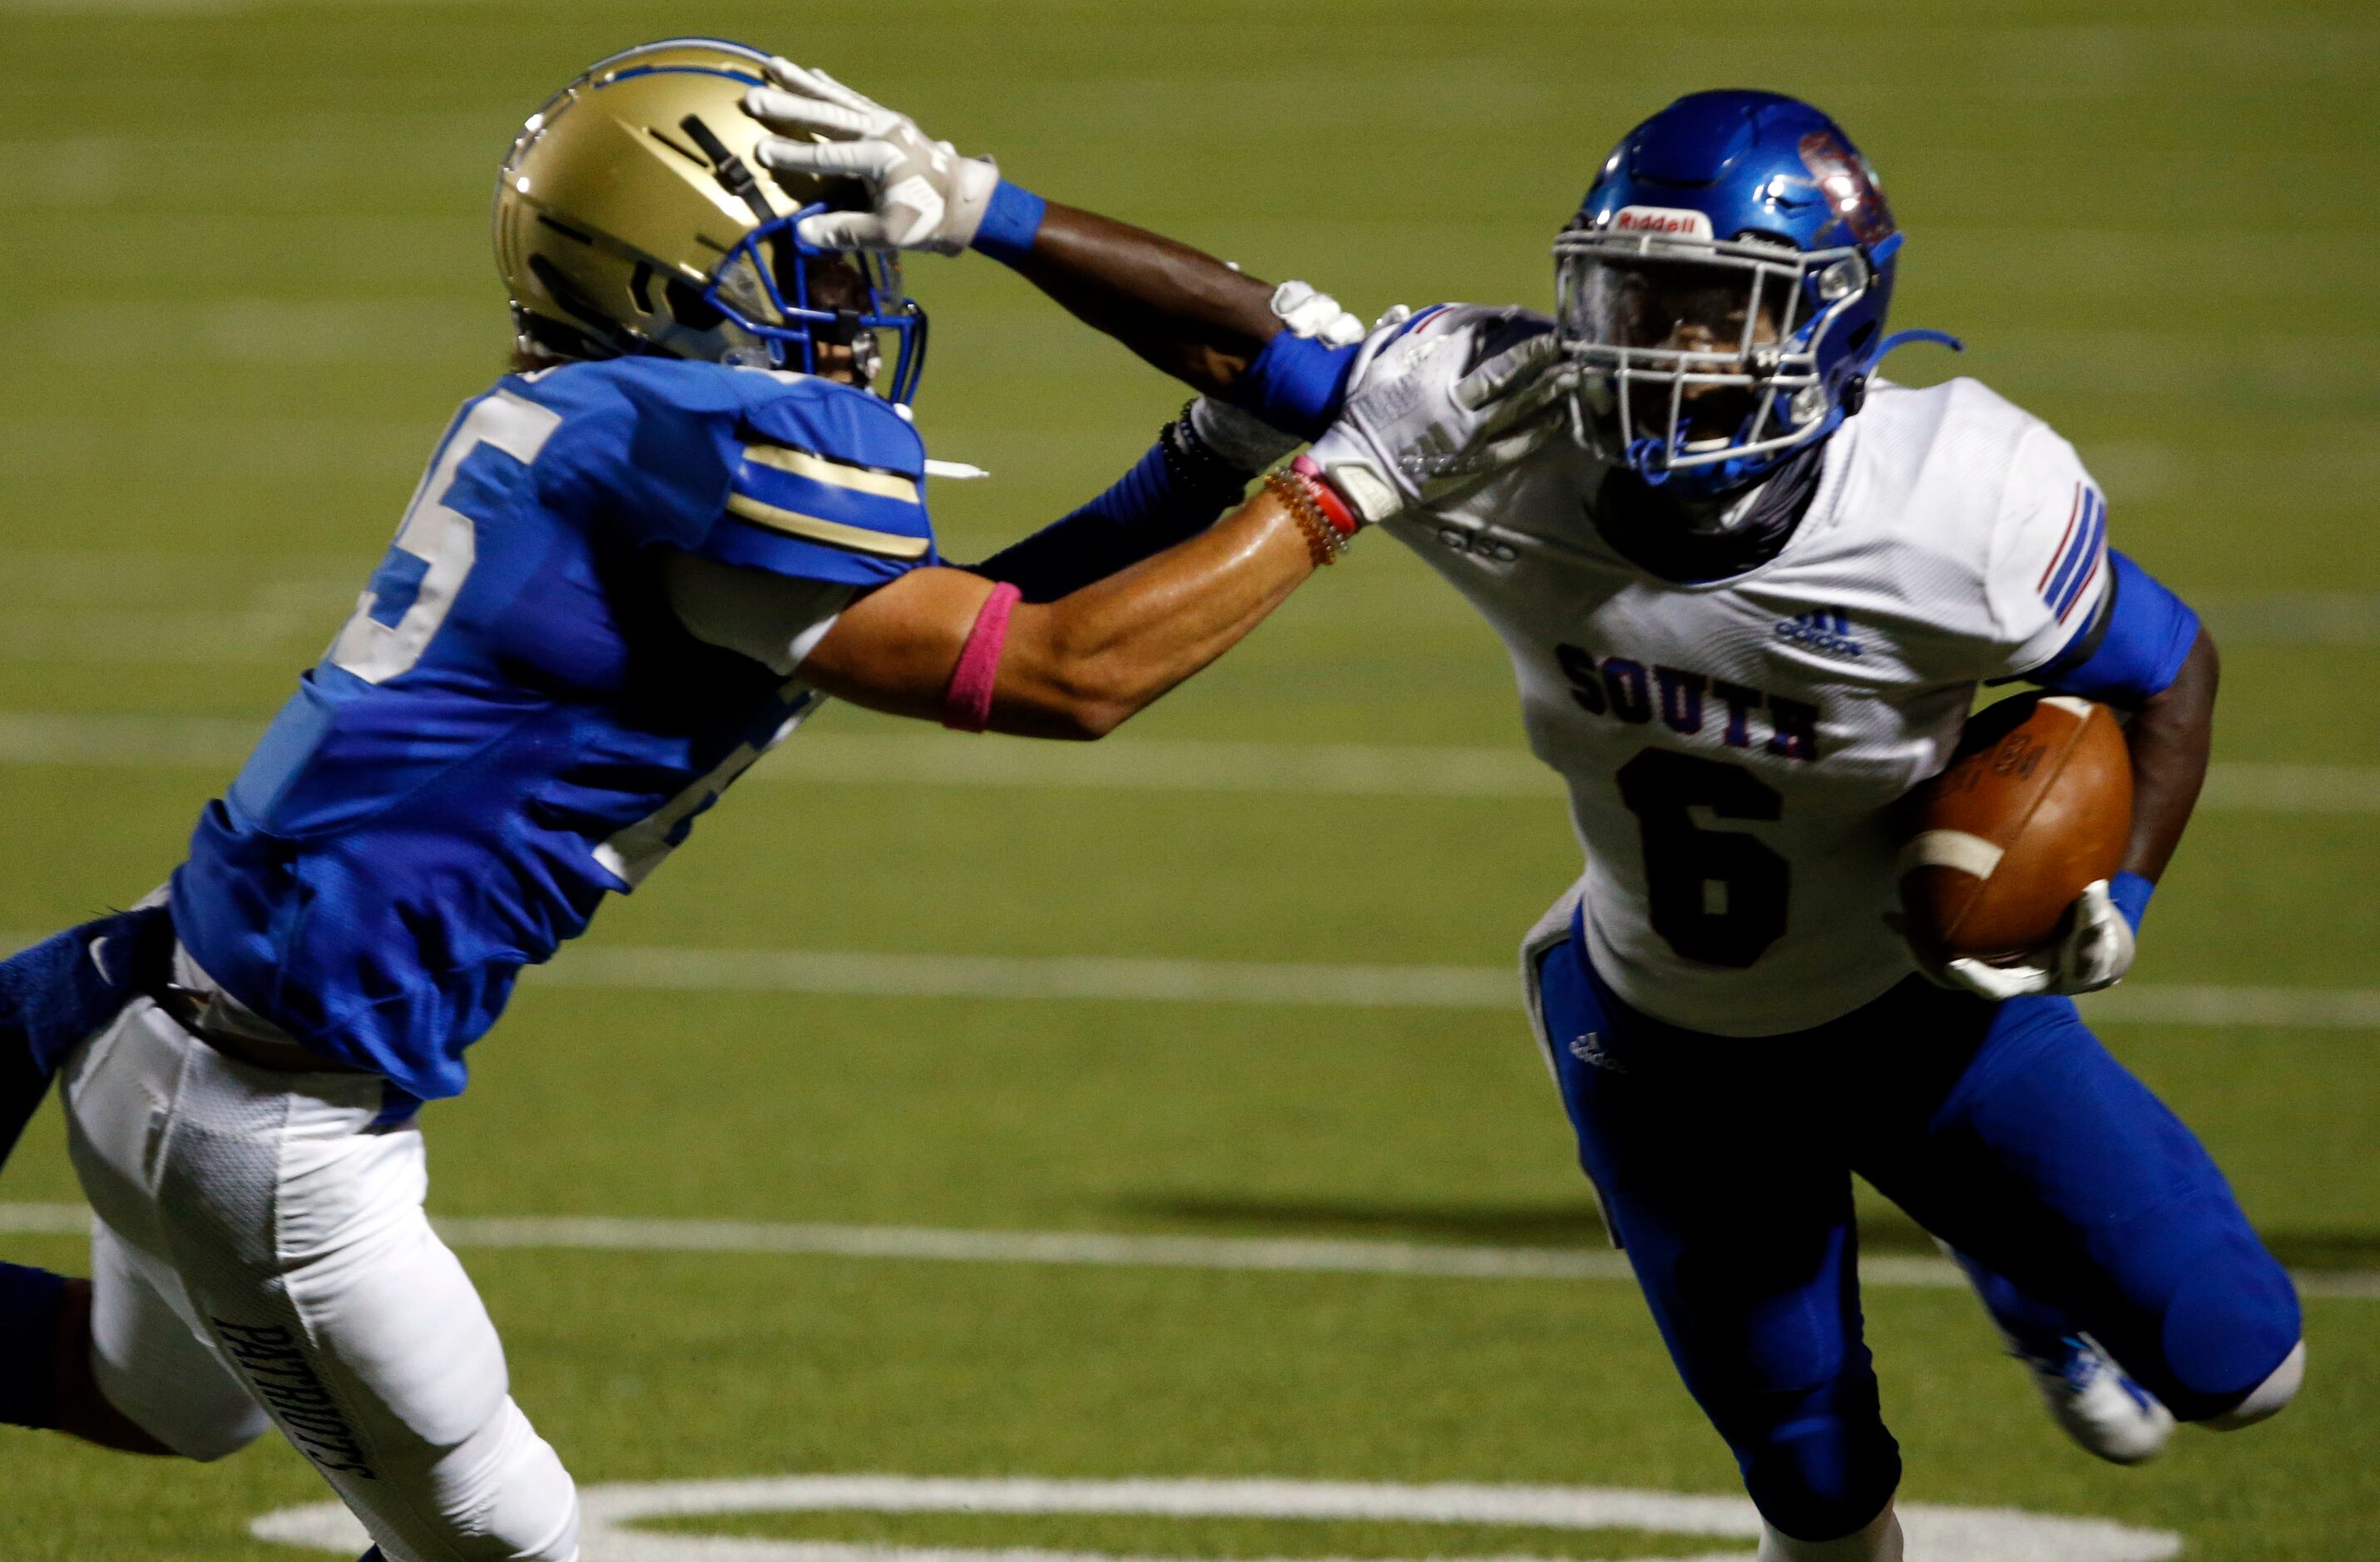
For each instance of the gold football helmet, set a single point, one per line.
(631, 219)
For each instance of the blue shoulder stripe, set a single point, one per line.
(2135, 649)
(2074, 547)
(2083, 566)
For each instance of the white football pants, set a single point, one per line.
(261, 1252)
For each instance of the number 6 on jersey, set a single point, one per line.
(1718, 896)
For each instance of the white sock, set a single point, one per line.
(1880, 1542)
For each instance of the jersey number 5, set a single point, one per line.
(435, 547)
(1716, 896)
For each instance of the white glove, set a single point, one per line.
(1416, 428)
(1246, 441)
(1317, 315)
(923, 194)
(2095, 952)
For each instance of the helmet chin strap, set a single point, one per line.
(1698, 537)
(1646, 455)
(730, 169)
(1714, 512)
(1734, 504)
(1910, 338)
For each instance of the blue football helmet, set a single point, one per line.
(1723, 289)
(632, 218)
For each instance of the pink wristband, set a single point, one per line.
(966, 704)
(1326, 497)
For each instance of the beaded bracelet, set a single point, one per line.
(1193, 463)
(1323, 541)
(1333, 504)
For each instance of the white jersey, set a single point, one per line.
(1734, 749)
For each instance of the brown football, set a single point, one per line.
(2036, 802)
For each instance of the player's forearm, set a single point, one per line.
(1080, 666)
(2170, 736)
(1174, 492)
(1183, 311)
(1075, 668)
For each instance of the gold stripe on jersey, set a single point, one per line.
(835, 474)
(834, 534)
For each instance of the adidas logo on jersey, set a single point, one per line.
(1825, 630)
(1589, 1049)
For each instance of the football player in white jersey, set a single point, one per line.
(1750, 589)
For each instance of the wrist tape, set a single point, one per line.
(1009, 221)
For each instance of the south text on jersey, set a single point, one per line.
(1690, 703)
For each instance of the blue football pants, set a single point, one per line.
(2006, 1129)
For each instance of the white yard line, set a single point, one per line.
(112, 8)
(1093, 1250)
(1345, 770)
(1313, 1257)
(1269, 982)
(159, 743)
(1062, 976)
(2312, 1009)
(2292, 788)
(2296, 618)
(611, 1534)
(120, 7)
(1117, 979)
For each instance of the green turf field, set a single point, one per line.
(245, 282)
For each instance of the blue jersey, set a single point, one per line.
(514, 722)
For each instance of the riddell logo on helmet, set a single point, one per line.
(1661, 219)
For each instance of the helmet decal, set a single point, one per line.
(1848, 186)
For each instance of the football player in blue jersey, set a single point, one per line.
(695, 510)
(1749, 602)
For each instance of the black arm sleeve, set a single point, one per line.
(1176, 491)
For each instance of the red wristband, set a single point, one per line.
(1326, 497)
(966, 704)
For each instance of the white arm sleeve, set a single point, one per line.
(774, 618)
(2047, 569)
